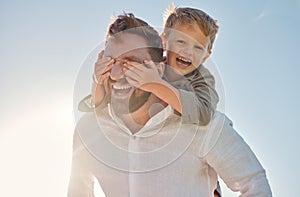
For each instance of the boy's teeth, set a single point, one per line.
(185, 60)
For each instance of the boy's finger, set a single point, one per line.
(132, 68)
(102, 65)
(102, 71)
(131, 64)
(105, 76)
(150, 63)
(139, 70)
(132, 74)
(161, 64)
(108, 68)
(132, 82)
(105, 60)
(100, 55)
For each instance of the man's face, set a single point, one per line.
(186, 47)
(125, 98)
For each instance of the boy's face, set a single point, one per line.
(186, 47)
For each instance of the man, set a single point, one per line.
(137, 145)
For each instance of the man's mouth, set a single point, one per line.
(183, 62)
(121, 90)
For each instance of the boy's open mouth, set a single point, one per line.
(183, 61)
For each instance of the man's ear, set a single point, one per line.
(163, 39)
(161, 68)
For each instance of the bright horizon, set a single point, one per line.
(45, 43)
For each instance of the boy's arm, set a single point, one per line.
(166, 92)
(101, 73)
(198, 96)
(96, 100)
(150, 79)
(195, 99)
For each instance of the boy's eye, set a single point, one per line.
(180, 41)
(199, 48)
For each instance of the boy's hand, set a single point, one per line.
(102, 68)
(101, 73)
(144, 76)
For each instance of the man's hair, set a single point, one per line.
(177, 16)
(128, 23)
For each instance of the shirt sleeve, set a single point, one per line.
(86, 105)
(236, 164)
(81, 179)
(198, 98)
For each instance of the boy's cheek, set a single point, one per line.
(173, 48)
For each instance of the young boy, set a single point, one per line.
(187, 85)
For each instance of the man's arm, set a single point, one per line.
(235, 162)
(81, 180)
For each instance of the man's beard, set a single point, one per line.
(123, 106)
(126, 106)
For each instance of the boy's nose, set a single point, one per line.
(117, 71)
(188, 51)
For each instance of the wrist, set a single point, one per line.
(96, 80)
(153, 86)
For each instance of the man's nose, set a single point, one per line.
(117, 71)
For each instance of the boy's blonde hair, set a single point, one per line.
(174, 16)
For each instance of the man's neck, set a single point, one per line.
(138, 119)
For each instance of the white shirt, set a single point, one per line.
(175, 160)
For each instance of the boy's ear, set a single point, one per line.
(163, 38)
(206, 56)
(161, 68)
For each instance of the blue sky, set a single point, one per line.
(44, 43)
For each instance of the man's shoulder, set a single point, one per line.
(210, 134)
(219, 119)
(92, 119)
(91, 126)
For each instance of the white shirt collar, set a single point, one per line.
(153, 125)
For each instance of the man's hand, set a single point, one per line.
(144, 76)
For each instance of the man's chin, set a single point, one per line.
(119, 100)
(127, 106)
(122, 94)
(136, 102)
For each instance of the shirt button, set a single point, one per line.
(133, 137)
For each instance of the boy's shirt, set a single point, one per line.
(198, 97)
